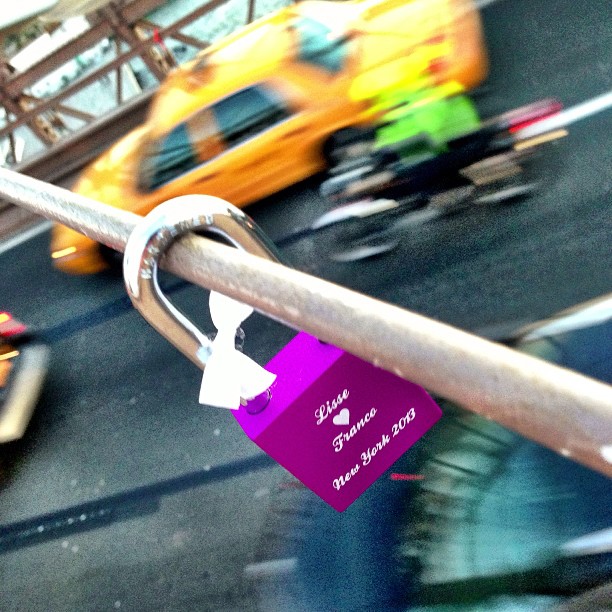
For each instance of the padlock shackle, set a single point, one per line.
(153, 236)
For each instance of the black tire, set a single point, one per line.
(113, 258)
(336, 148)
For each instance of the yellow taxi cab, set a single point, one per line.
(261, 109)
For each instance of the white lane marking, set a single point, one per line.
(568, 116)
(598, 313)
(592, 543)
(38, 229)
(274, 567)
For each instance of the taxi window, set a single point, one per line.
(317, 46)
(190, 144)
(248, 113)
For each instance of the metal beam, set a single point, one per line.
(69, 91)
(20, 81)
(184, 38)
(64, 159)
(138, 47)
(558, 408)
(132, 12)
(122, 29)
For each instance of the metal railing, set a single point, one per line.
(558, 408)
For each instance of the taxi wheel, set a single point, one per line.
(347, 143)
(113, 258)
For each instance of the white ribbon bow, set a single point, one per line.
(229, 374)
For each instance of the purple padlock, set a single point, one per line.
(335, 421)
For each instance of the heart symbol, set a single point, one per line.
(342, 418)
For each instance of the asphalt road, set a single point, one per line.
(173, 495)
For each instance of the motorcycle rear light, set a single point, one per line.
(533, 113)
(10, 326)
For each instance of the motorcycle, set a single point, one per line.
(382, 183)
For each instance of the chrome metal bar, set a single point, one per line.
(152, 238)
(557, 408)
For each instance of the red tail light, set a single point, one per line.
(10, 326)
(532, 113)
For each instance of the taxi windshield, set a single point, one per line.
(320, 45)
